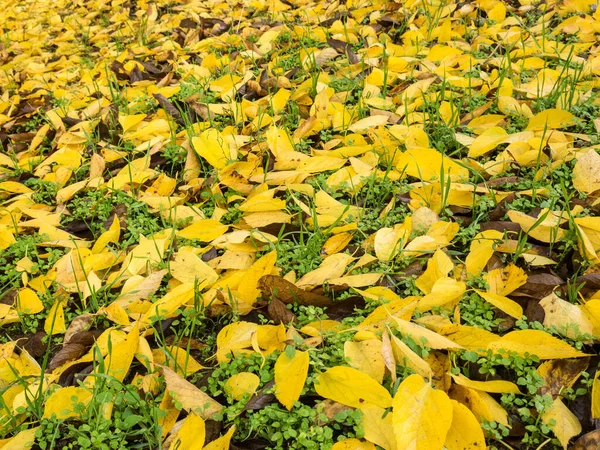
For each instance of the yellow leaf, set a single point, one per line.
(589, 232)
(7, 238)
(352, 444)
(428, 164)
(28, 302)
(405, 356)
(402, 308)
(332, 267)
(241, 384)
(65, 402)
(439, 266)
(351, 387)
(337, 243)
(187, 267)
(204, 230)
(378, 426)
(367, 357)
(170, 414)
(535, 342)
(23, 440)
(317, 164)
(551, 119)
(147, 253)
(422, 415)
(445, 293)
(504, 304)
(55, 320)
(487, 141)
(290, 376)
(368, 122)
(481, 250)
(596, 397)
(128, 122)
(565, 423)
(483, 406)
(111, 235)
(248, 289)
(505, 280)
(191, 435)
(495, 386)
(279, 100)
(189, 396)
(235, 336)
(176, 358)
(221, 443)
(362, 280)
(569, 320)
(586, 172)
(168, 305)
(212, 146)
(119, 358)
(425, 337)
(14, 187)
(465, 432)
(389, 241)
(65, 194)
(545, 228)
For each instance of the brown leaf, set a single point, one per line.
(75, 373)
(262, 398)
(34, 345)
(344, 47)
(330, 409)
(560, 374)
(213, 27)
(68, 353)
(77, 325)
(76, 347)
(538, 286)
(273, 286)
(170, 108)
(279, 313)
(342, 309)
(475, 113)
(589, 441)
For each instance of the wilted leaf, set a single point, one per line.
(563, 422)
(189, 396)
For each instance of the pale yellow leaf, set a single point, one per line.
(565, 423)
(367, 357)
(189, 397)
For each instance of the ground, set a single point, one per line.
(357, 224)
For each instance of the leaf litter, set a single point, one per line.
(299, 224)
